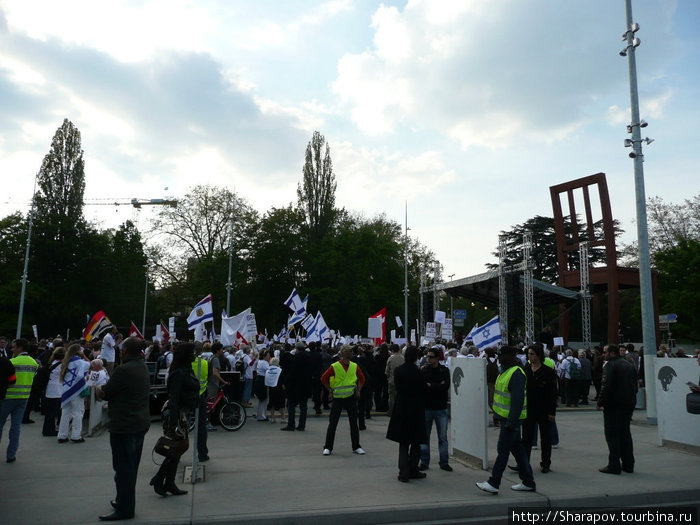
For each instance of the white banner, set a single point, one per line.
(430, 331)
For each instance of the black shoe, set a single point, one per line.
(629, 470)
(114, 504)
(63, 440)
(514, 468)
(157, 484)
(172, 488)
(362, 428)
(81, 440)
(319, 411)
(418, 475)
(446, 468)
(608, 470)
(402, 479)
(28, 421)
(544, 470)
(423, 467)
(301, 429)
(11, 460)
(50, 435)
(202, 459)
(287, 429)
(116, 516)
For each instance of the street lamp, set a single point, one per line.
(646, 295)
(452, 309)
(26, 264)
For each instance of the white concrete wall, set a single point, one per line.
(469, 399)
(674, 422)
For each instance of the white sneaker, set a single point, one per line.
(555, 446)
(487, 487)
(534, 447)
(326, 452)
(521, 487)
(359, 451)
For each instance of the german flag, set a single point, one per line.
(97, 326)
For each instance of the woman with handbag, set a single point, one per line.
(183, 395)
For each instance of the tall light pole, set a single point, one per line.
(229, 284)
(405, 278)
(26, 264)
(647, 301)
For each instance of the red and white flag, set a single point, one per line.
(381, 314)
(135, 332)
(164, 333)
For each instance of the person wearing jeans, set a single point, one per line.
(25, 368)
(437, 383)
(510, 405)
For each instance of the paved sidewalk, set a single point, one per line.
(262, 476)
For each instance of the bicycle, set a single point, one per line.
(230, 414)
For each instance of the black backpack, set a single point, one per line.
(162, 360)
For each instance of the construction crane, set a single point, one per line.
(136, 203)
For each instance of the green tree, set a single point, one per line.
(58, 203)
(189, 255)
(13, 236)
(316, 193)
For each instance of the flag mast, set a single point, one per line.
(405, 276)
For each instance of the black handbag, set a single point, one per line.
(171, 447)
(692, 403)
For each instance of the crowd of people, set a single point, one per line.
(410, 384)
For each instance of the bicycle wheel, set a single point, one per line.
(231, 415)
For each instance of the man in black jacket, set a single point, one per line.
(618, 396)
(437, 384)
(128, 394)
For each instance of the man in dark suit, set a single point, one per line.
(407, 423)
(618, 397)
(298, 387)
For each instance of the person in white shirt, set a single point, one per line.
(259, 388)
(107, 353)
(74, 369)
(98, 375)
(52, 397)
(568, 364)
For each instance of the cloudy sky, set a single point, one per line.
(468, 110)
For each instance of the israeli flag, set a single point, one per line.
(201, 313)
(487, 335)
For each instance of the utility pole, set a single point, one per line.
(452, 306)
(646, 294)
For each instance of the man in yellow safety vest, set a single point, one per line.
(18, 394)
(343, 380)
(510, 405)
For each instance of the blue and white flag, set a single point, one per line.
(307, 322)
(201, 313)
(318, 331)
(294, 301)
(487, 335)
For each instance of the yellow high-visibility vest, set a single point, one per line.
(501, 396)
(25, 370)
(343, 382)
(204, 373)
(548, 361)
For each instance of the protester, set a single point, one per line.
(276, 394)
(52, 396)
(541, 404)
(343, 380)
(395, 360)
(259, 387)
(127, 392)
(17, 395)
(297, 386)
(74, 369)
(618, 397)
(183, 396)
(407, 423)
(108, 350)
(437, 384)
(510, 404)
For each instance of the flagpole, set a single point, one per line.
(145, 302)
